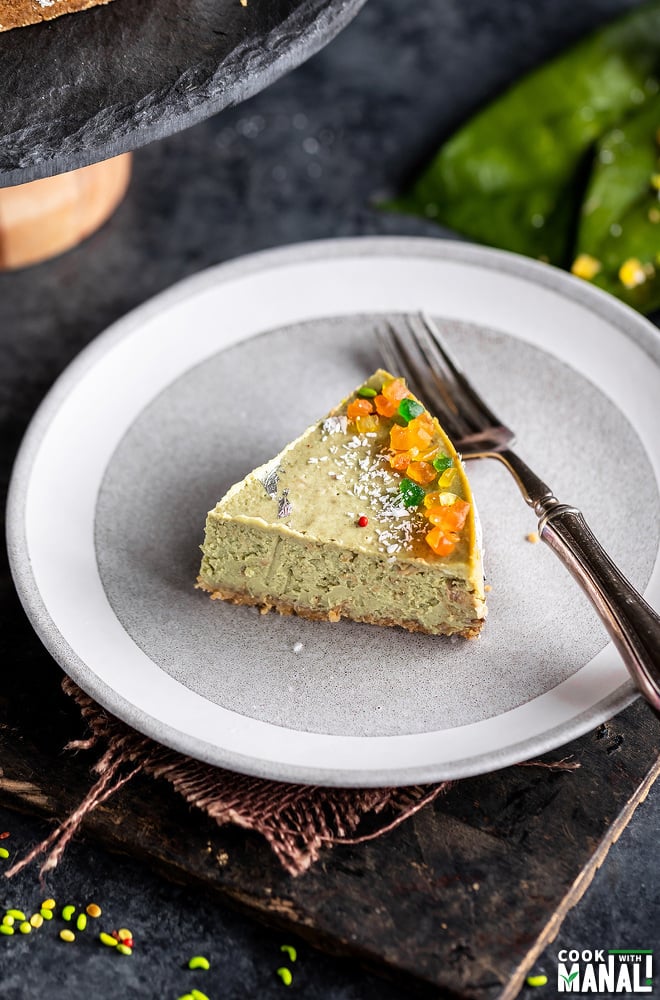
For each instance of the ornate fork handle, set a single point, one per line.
(633, 625)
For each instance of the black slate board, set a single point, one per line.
(459, 901)
(85, 87)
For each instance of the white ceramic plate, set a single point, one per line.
(152, 422)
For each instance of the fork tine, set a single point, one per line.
(401, 353)
(441, 358)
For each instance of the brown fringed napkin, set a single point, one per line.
(296, 820)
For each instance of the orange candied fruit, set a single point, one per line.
(442, 543)
(386, 407)
(421, 472)
(416, 434)
(396, 390)
(359, 408)
(400, 460)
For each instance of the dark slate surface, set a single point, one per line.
(304, 159)
(82, 88)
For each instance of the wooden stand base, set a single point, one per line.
(44, 218)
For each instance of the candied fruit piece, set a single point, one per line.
(396, 390)
(386, 407)
(412, 493)
(409, 409)
(443, 462)
(359, 408)
(442, 544)
(366, 425)
(421, 472)
(401, 460)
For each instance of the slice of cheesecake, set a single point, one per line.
(368, 515)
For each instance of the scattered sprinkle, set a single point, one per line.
(48, 904)
(290, 951)
(3, 836)
(94, 910)
(366, 392)
(533, 537)
(199, 962)
(363, 521)
(67, 935)
(124, 949)
(4, 853)
(36, 920)
(198, 995)
(108, 940)
(81, 922)
(8, 920)
(67, 912)
(536, 980)
(186, 996)
(123, 933)
(46, 914)
(285, 976)
(16, 914)
(25, 927)
(4, 929)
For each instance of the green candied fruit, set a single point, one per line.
(409, 409)
(442, 462)
(366, 392)
(412, 493)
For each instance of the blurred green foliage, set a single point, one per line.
(563, 162)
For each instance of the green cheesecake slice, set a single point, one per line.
(368, 515)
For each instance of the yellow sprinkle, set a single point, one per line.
(285, 976)
(655, 181)
(67, 936)
(7, 920)
(108, 940)
(124, 933)
(585, 266)
(533, 538)
(94, 911)
(16, 914)
(25, 927)
(48, 904)
(537, 980)
(4, 853)
(123, 949)
(36, 920)
(632, 273)
(199, 962)
(4, 929)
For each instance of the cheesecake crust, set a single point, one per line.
(471, 631)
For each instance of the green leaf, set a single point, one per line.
(511, 176)
(620, 204)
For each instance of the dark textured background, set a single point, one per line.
(304, 159)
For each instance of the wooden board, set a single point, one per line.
(423, 903)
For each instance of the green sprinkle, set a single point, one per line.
(67, 912)
(537, 980)
(16, 914)
(4, 929)
(366, 392)
(442, 462)
(4, 853)
(46, 914)
(81, 922)
(285, 976)
(409, 409)
(186, 996)
(123, 949)
(412, 493)
(290, 950)
(198, 995)
(25, 927)
(198, 962)
(108, 940)
(8, 920)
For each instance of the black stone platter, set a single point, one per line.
(85, 87)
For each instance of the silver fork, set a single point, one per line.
(418, 353)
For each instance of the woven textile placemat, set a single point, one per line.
(298, 821)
